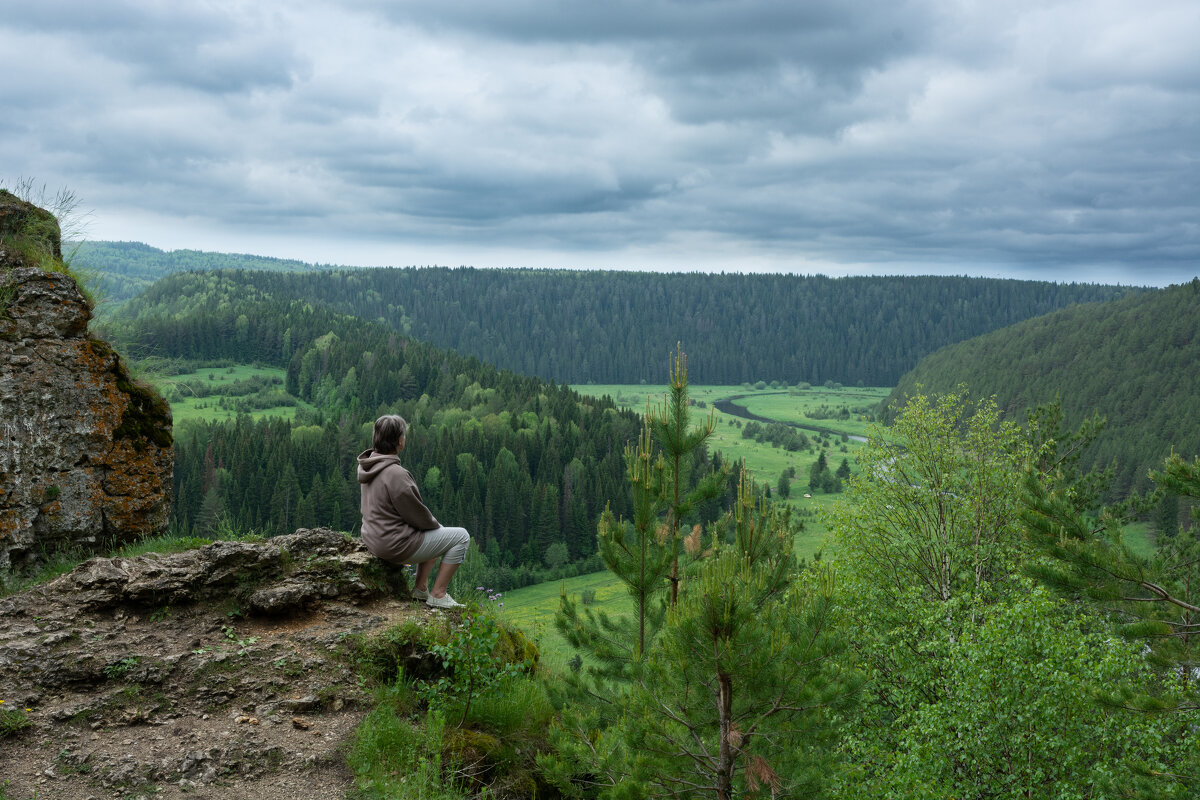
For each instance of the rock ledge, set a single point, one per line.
(224, 666)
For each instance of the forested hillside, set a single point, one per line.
(613, 327)
(525, 465)
(1136, 361)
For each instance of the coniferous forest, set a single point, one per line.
(609, 327)
(122, 270)
(1133, 361)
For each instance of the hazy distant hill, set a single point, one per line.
(616, 327)
(1135, 360)
(124, 269)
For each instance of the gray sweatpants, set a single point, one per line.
(449, 543)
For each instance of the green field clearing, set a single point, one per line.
(810, 407)
(764, 461)
(1141, 539)
(185, 408)
(532, 610)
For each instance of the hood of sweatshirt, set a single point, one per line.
(371, 464)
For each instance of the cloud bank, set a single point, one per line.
(1033, 139)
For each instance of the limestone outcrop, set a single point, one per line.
(86, 454)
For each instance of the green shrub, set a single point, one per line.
(13, 721)
(473, 662)
(121, 668)
(380, 659)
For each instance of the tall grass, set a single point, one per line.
(71, 222)
(394, 756)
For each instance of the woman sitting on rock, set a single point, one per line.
(396, 525)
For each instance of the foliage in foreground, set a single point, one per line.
(471, 729)
(980, 685)
(738, 684)
(1153, 603)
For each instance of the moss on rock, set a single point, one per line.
(515, 647)
(31, 231)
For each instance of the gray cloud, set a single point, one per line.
(195, 46)
(990, 138)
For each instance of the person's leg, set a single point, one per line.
(451, 544)
(445, 573)
(421, 582)
(458, 540)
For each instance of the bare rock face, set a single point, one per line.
(85, 451)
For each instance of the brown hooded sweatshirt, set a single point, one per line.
(394, 519)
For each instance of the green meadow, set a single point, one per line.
(532, 608)
(221, 389)
(764, 461)
(818, 407)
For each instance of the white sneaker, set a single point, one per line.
(445, 601)
(420, 594)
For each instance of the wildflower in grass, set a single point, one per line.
(490, 596)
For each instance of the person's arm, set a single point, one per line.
(406, 499)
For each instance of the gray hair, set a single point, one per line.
(389, 430)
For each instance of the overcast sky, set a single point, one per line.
(1043, 139)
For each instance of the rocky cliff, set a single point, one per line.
(86, 453)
